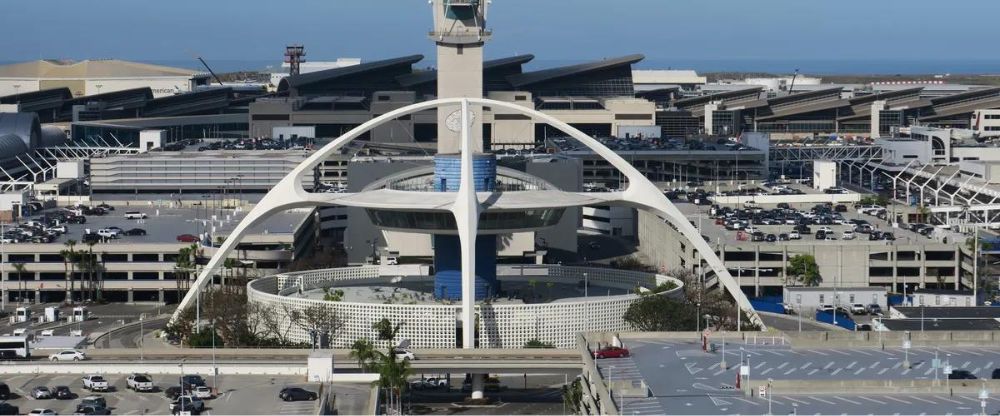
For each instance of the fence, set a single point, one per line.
(842, 319)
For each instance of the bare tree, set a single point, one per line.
(317, 320)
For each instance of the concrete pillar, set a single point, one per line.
(478, 385)
(38, 296)
(131, 295)
(162, 297)
(130, 275)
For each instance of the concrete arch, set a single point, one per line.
(641, 193)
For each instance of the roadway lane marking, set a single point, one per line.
(760, 365)
(821, 400)
(792, 370)
(862, 352)
(766, 371)
(875, 365)
(836, 371)
(947, 399)
(828, 365)
(851, 365)
(898, 400)
(813, 371)
(860, 370)
(782, 365)
(818, 352)
(795, 400)
(871, 400)
(746, 401)
(806, 365)
(718, 401)
(922, 400)
(847, 400)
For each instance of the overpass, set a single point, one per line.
(294, 362)
(791, 154)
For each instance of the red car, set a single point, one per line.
(187, 238)
(611, 352)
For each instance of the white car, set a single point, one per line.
(794, 235)
(826, 230)
(403, 354)
(108, 233)
(202, 392)
(42, 412)
(135, 215)
(848, 235)
(68, 355)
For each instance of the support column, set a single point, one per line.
(162, 297)
(131, 295)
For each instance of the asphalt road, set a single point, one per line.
(706, 388)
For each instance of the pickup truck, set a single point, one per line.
(139, 382)
(95, 383)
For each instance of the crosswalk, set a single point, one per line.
(297, 408)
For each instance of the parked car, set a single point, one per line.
(961, 375)
(783, 237)
(109, 233)
(68, 355)
(821, 235)
(41, 392)
(63, 393)
(403, 354)
(996, 374)
(9, 409)
(858, 309)
(172, 392)
(202, 392)
(874, 309)
(771, 238)
(190, 381)
(848, 235)
(289, 394)
(95, 382)
(794, 235)
(888, 237)
(47, 412)
(139, 382)
(4, 392)
(611, 352)
(135, 232)
(188, 407)
(91, 410)
(187, 238)
(197, 405)
(94, 401)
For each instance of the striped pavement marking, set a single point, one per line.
(821, 400)
(851, 365)
(847, 400)
(782, 365)
(806, 365)
(790, 371)
(871, 400)
(966, 365)
(766, 371)
(897, 399)
(860, 370)
(828, 365)
(818, 352)
(882, 371)
(836, 371)
(795, 400)
(921, 400)
(875, 365)
(813, 371)
(947, 399)
(929, 371)
(760, 365)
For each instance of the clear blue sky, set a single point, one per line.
(554, 30)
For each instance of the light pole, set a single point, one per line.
(906, 350)
(141, 316)
(769, 380)
(798, 309)
(739, 283)
(984, 395)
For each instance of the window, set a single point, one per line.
(852, 298)
(520, 98)
(821, 298)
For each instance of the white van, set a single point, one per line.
(135, 215)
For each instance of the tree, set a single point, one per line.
(19, 269)
(532, 283)
(659, 313)
(69, 258)
(572, 396)
(805, 269)
(318, 320)
(392, 373)
(364, 352)
(386, 331)
(549, 286)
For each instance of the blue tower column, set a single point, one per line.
(447, 248)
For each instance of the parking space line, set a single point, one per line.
(947, 399)
(719, 373)
(792, 370)
(836, 371)
(821, 400)
(847, 400)
(775, 353)
(922, 400)
(871, 400)
(851, 365)
(861, 352)
(896, 399)
(813, 371)
(906, 371)
(839, 352)
(766, 371)
(818, 352)
(875, 365)
(929, 371)
(882, 371)
(782, 365)
(988, 365)
(971, 352)
(795, 400)
(969, 398)
(860, 370)
(806, 365)
(897, 365)
(966, 364)
(828, 365)
(745, 400)
(760, 365)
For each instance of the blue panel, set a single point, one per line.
(448, 267)
(448, 172)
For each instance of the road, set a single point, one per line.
(790, 323)
(707, 388)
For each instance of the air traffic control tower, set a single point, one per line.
(460, 34)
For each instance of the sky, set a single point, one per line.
(670, 33)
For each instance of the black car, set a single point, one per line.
(76, 219)
(821, 235)
(961, 375)
(135, 232)
(106, 207)
(91, 410)
(90, 237)
(4, 392)
(9, 409)
(295, 393)
(888, 237)
(192, 380)
(996, 374)
(62, 393)
(840, 208)
(771, 238)
(172, 392)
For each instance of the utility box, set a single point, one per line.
(72, 169)
(320, 367)
(151, 139)
(51, 314)
(22, 314)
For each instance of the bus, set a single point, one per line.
(14, 348)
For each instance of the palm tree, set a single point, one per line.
(364, 352)
(91, 264)
(392, 377)
(19, 268)
(69, 255)
(386, 331)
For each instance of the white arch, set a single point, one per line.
(641, 193)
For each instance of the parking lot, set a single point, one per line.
(683, 379)
(238, 395)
